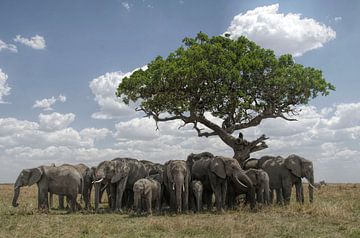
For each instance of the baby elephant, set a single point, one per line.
(147, 191)
(196, 194)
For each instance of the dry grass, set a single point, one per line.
(335, 213)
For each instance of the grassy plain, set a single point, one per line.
(335, 213)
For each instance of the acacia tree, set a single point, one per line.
(236, 81)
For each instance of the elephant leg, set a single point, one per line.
(85, 196)
(137, 202)
(286, 191)
(43, 198)
(260, 195)
(218, 197)
(271, 196)
(208, 199)
(119, 194)
(112, 196)
(185, 198)
(302, 193)
(72, 202)
(148, 202)
(172, 201)
(279, 197)
(298, 187)
(61, 202)
(223, 194)
(158, 204)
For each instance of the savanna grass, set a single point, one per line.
(335, 213)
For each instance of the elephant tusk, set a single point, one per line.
(183, 187)
(312, 186)
(241, 183)
(173, 187)
(98, 181)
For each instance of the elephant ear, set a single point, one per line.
(293, 163)
(35, 175)
(217, 166)
(121, 171)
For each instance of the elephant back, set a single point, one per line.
(251, 163)
(192, 158)
(264, 161)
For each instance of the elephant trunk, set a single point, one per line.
(16, 196)
(179, 185)
(97, 195)
(198, 200)
(242, 178)
(266, 192)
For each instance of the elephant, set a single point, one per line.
(153, 168)
(176, 180)
(120, 174)
(149, 190)
(85, 191)
(196, 195)
(284, 173)
(260, 180)
(60, 180)
(214, 173)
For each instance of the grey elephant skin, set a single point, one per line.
(284, 173)
(86, 187)
(214, 173)
(148, 191)
(120, 174)
(153, 168)
(260, 181)
(176, 180)
(60, 180)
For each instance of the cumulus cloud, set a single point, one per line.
(282, 33)
(47, 103)
(95, 133)
(4, 87)
(104, 88)
(36, 42)
(9, 47)
(55, 121)
(26, 144)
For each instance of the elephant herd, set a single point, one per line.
(199, 183)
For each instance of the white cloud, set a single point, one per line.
(55, 121)
(36, 42)
(4, 87)
(9, 47)
(47, 103)
(104, 88)
(94, 133)
(126, 5)
(345, 116)
(282, 33)
(327, 136)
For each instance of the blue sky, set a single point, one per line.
(72, 53)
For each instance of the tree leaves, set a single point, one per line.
(232, 79)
